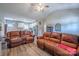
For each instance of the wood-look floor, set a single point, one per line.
(25, 50)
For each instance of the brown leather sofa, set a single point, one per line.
(60, 44)
(15, 38)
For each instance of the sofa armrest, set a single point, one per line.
(78, 51)
(8, 42)
(40, 37)
(7, 39)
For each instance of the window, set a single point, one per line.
(23, 26)
(10, 24)
(32, 25)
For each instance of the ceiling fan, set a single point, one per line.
(39, 6)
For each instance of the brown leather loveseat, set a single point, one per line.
(15, 38)
(59, 43)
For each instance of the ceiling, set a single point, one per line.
(25, 10)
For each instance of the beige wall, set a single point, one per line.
(40, 27)
(64, 17)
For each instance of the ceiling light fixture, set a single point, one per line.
(39, 6)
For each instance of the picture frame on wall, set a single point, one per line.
(58, 27)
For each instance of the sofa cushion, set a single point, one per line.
(49, 46)
(16, 40)
(71, 50)
(61, 51)
(41, 40)
(55, 40)
(29, 38)
(27, 35)
(14, 37)
(73, 45)
(55, 35)
(50, 43)
(70, 38)
(47, 34)
(15, 33)
(47, 38)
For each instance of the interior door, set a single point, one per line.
(49, 29)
